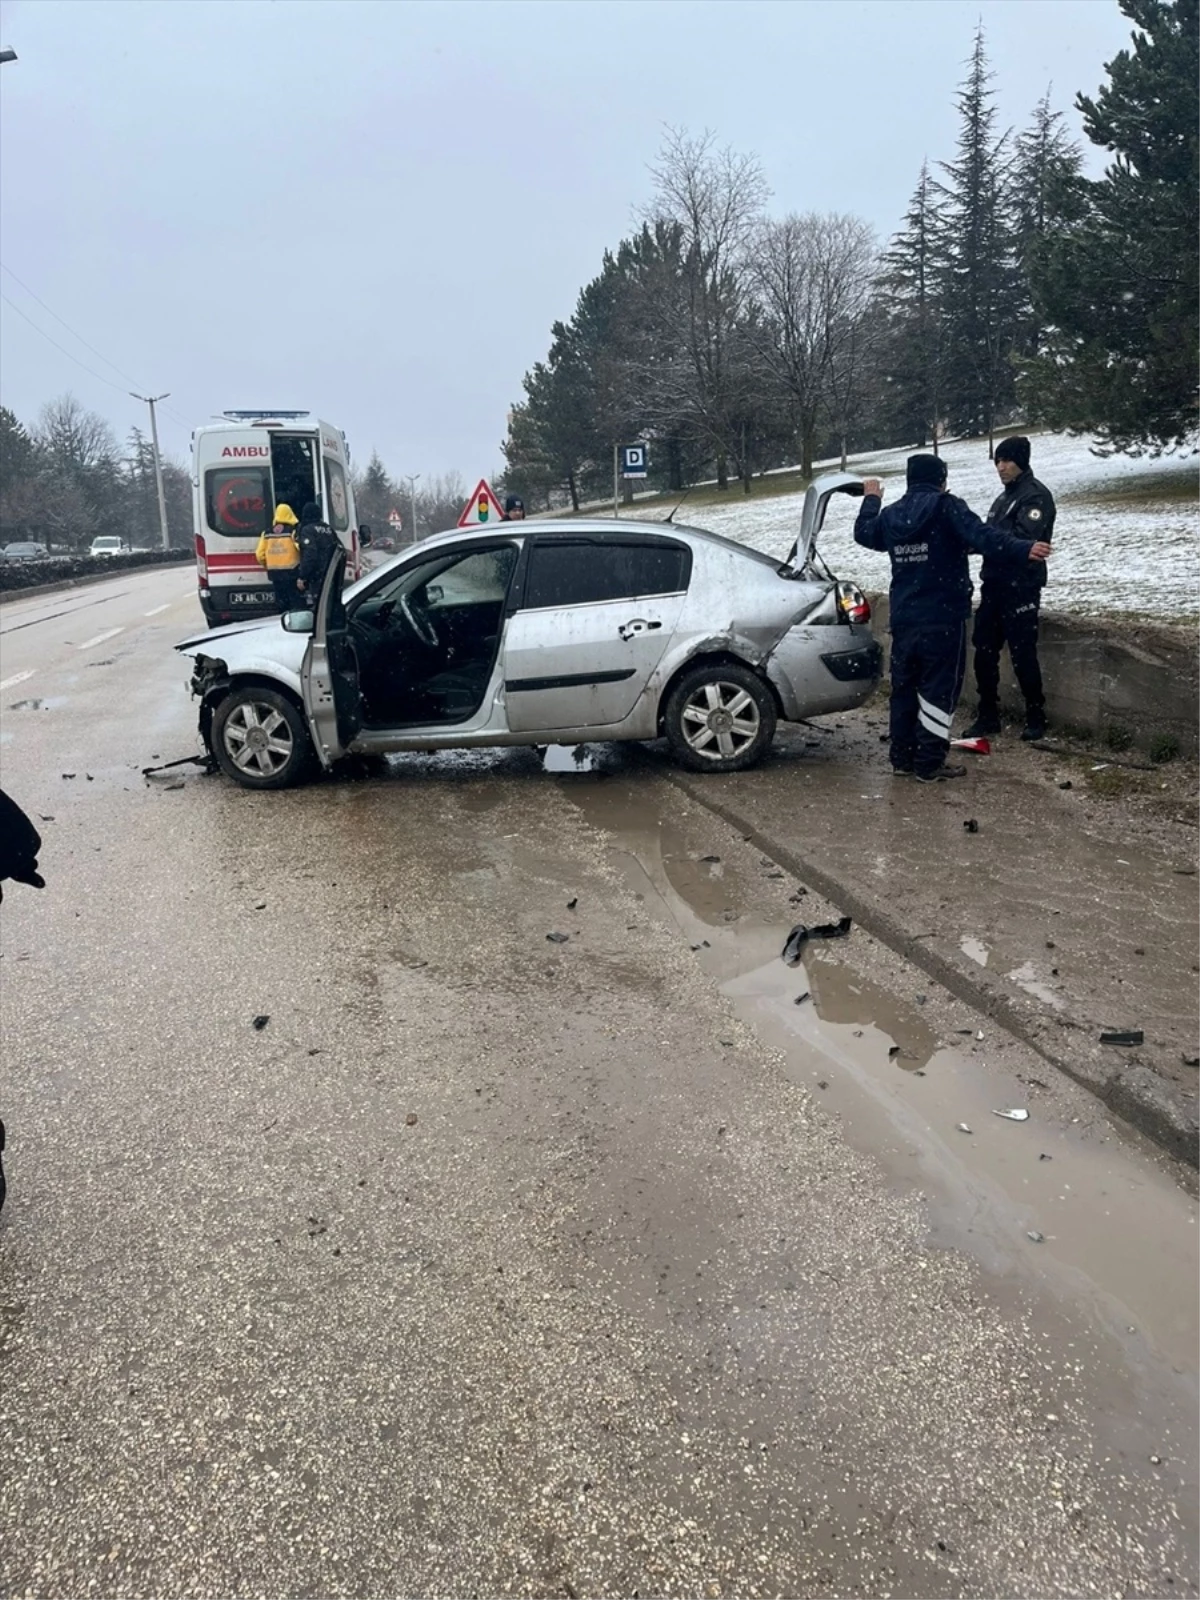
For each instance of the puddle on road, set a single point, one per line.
(1097, 1205)
(569, 758)
(974, 949)
(1026, 977)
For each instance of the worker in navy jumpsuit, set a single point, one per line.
(928, 535)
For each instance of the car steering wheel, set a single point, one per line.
(419, 622)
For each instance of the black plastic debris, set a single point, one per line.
(800, 935)
(1045, 1157)
(571, 904)
(68, 774)
(893, 1051)
(206, 762)
(971, 825)
(1130, 1036)
(1066, 784)
(260, 1023)
(1190, 1061)
(801, 998)
(558, 938)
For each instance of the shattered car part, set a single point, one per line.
(1019, 1114)
(800, 935)
(1131, 1036)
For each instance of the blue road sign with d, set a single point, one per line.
(633, 461)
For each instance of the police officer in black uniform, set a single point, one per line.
(318, 546)
(1010, 598)
(928, 535)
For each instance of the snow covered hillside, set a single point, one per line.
(1126, 537)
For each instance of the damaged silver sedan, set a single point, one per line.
(541, 633)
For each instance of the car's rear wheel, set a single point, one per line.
(260, 739)
(719, 718)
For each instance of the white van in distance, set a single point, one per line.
(242, 469)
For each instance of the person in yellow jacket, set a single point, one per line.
(279, 553)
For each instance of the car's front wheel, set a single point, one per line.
(719, 718)
(260, 739)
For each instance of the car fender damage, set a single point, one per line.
(210, 683)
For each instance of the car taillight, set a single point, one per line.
(852, 603)
(201, 560)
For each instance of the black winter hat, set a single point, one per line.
(925, 469)
(514, 503)
(311, 512)
(1015, 449)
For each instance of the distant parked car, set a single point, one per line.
(544, 633)
(25, 550)
(108, 545)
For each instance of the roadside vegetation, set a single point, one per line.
(732, 341)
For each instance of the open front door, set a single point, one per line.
(329, 676)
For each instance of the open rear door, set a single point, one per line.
(329, 676)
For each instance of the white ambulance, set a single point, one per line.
(242, 469)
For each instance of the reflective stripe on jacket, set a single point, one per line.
(278, 552)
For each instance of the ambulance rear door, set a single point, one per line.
(338, 499)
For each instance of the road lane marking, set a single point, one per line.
(100, 638)
(154, 610)
(17, 677)
(67, 611)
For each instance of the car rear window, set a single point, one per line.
(575, 572)
(238, 501)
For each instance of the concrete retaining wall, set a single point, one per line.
(1108, 676)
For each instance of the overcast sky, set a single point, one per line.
(376, 208)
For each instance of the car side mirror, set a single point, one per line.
(364, 534)
(297, 621)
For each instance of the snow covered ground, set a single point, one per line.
(1117, 546)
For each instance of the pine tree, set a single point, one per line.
(914, 270)
(375, 495)
(980, 289)
(1045, 197)
(1119, 285)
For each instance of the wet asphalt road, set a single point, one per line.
(496, 1264)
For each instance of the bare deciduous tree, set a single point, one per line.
(812, 277)
(74, 437)
(714, 197)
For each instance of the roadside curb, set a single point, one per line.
(1129, 1089)
(7, 596)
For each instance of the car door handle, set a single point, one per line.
(629, 630)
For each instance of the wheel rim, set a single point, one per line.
(258, 739)
(720, 720)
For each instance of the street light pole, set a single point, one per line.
(152, 401)
(412, 479)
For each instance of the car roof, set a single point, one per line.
(595, 528)
(576, 527)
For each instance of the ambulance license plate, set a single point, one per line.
(252, 597)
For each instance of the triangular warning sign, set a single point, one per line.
(482, 509)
